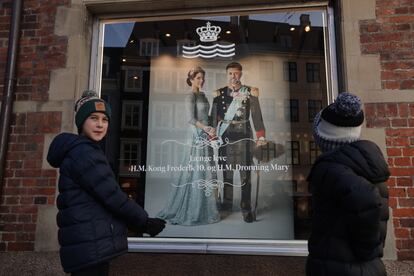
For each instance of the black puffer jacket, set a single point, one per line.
(350, 212)
(93, 210)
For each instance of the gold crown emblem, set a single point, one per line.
(208, 33)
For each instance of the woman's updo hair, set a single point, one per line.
(193, 72)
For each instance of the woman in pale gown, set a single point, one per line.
(192, 198)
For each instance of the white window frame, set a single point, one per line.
(163, 78)
(164, 111)
(124, 142)
(287, 71)
(290, 156)
(315, 110)
(125, 105)
(137, 87)
(152, 51)
(220, 246)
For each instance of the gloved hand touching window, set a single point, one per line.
(154, 226)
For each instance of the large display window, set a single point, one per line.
(212, 120)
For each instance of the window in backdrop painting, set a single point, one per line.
(149, 47)
(133, 79)
(130, 155)
(313, 72)
(162, 115)
(290, 71)
(293, 152)
(132, 114)
(314, 106)
(292, 110)
(268, 109)
(314, 152)
(266, 70)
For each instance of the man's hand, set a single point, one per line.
(261, 142)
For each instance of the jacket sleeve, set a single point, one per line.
(213, 114)
(361, 204)
(257, 117)
(93, 173)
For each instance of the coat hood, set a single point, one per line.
(363, 157)
(61, 145)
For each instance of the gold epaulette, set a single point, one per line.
(254, 91)
(216, 93)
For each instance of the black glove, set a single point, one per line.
(154, 226)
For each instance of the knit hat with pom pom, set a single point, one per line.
(339, 123)
(89, 103)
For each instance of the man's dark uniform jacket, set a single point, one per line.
(221, 102)
(239, 128)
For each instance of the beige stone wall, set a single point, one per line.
(66, 85)
(363, 77)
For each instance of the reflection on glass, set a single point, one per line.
(230, 158)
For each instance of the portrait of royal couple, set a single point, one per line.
(229, 120)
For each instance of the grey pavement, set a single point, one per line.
(48, 263)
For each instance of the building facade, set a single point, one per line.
(121, 49)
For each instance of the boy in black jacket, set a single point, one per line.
(93, 210)
(350, 197)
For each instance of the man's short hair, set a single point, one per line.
(234, 65)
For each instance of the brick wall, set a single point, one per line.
(398, 121)
(391, 35)
(27, 185)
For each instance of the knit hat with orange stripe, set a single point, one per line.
(89, 103)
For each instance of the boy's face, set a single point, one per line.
(95, 126)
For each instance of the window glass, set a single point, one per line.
(313, 72)
(314, 106)
(290, 71)
(314, 151)
(292, 110)
(210, 129)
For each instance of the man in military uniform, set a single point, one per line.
(230, 114)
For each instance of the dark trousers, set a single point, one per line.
(238, 153)
(101, 269)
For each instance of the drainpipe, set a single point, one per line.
(9, 83)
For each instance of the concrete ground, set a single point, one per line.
(47, 263)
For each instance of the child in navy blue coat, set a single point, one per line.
(350, 195)
(93, 211)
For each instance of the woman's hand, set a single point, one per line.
(211, 131)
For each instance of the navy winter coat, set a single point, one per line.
(93, 210)
(350, 212)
